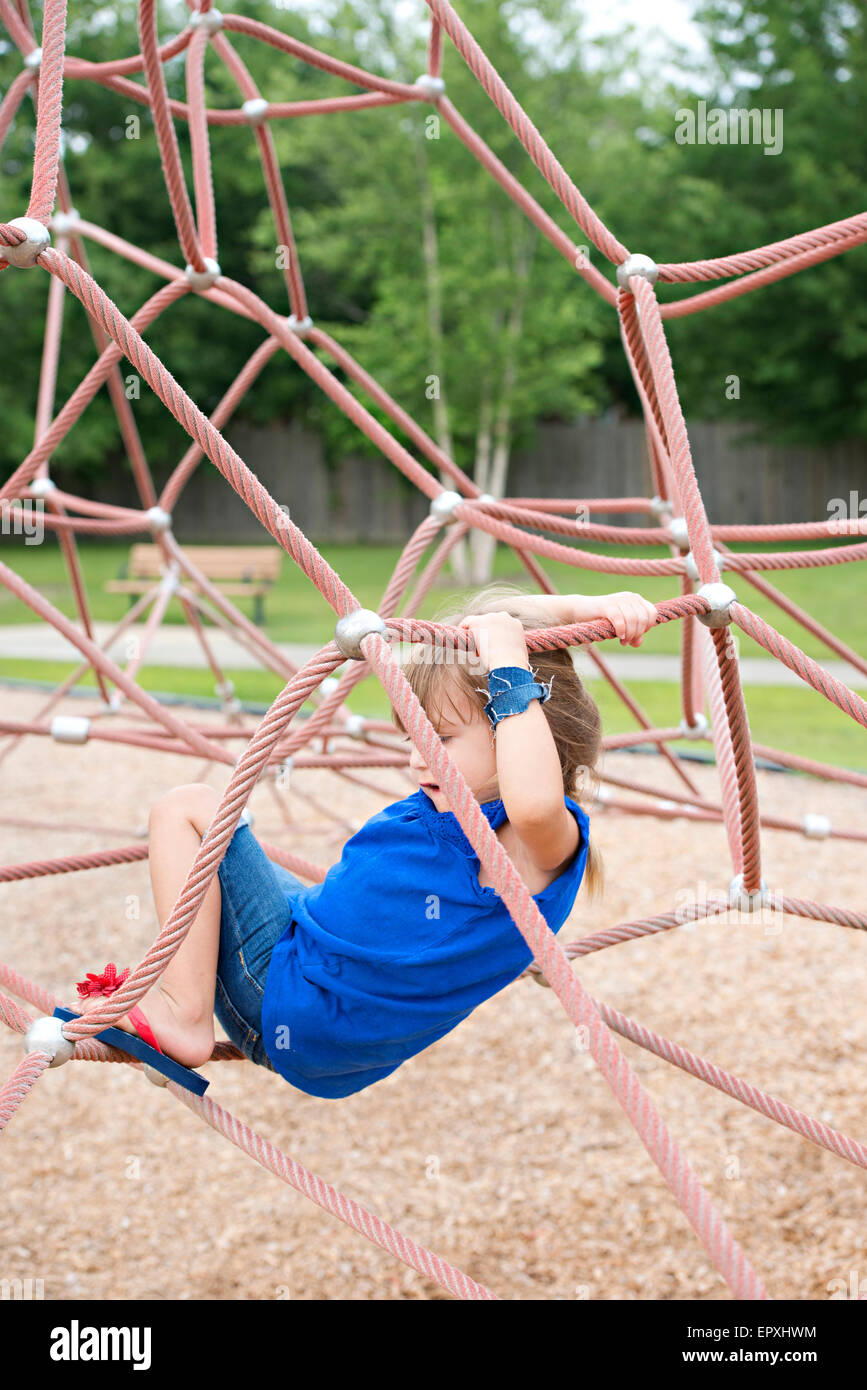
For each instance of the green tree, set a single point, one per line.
(450, 297)
(116, 181)
(419, 263)
(798, 345)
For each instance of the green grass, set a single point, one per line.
(253, 687)
(798, 720)
(793, 720)
(296, 612)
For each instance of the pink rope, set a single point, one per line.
(46, 156)
(168, 143)
(770, 1106)
(514, 521)
(850, 229)
(242, 25)
(580, 1007)
(523, 199)
(83, 68)
(202, 180)
(526, 132)
(16, 26)
(273, 181)
(8, 109)
(804, 666)
(34, 993)
(790, 266)
(20, 1084)
(817, 769)
(347, 1210)
(10, 873)
(13, 1015)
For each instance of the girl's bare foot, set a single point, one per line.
(189, 1044)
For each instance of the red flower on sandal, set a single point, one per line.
(106, 983)
(143, 1045)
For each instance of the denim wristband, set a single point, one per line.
(503, 678)
(511, 688)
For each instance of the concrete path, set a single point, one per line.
(177, 645)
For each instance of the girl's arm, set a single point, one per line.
(528, 768)
(629, 613)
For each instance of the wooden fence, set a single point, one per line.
(365, 499)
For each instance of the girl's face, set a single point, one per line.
(466, 735)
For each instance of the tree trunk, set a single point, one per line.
(459, 558)
(483, 545)
(484, 435)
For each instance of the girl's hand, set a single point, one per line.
(629, 613)
(499, 639)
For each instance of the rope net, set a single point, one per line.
(53, 235)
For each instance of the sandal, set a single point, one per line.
(144, 1048)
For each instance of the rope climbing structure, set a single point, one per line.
(51, 237)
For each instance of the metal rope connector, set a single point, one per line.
(203, 279)
(816, 826)
(692, 567)
(351, 629)
(720, 597)
(40, 487)
(636, 264)
(749, 902)
(158, 519)
(443, 506)
(432, 87)
(209, 20)
(70, 728)
(700, 729)
(37, 239)
(46, 1035)
(255, 110)
(62, 223)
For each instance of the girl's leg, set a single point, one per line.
(177, 823)
(180, 1006)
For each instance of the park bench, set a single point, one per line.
(237, 571)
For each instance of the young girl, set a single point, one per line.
(334, 985)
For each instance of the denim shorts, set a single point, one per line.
(256, 911)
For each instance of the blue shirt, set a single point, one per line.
(395, 947)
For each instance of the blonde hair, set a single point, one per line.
(435, 673)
